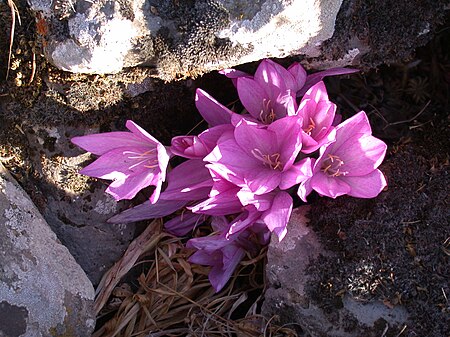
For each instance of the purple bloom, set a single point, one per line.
(223, 199)
(318, 114)
(133, 160)
(188, 182)
(212, 111)
(261, 159)
(197, 147)
(268, 95)
(272, 210)
(319, 76)
(224, 253)
(349, 164)
(297, 82)
(185, 222)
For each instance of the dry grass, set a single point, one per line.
(167, 296)
(14, 13)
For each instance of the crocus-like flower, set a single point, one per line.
(212, 111)
(297, 81)
(133, 160)
(261, 159)
(197, 147)
(271, 210)
(318, 114)
(349, 164)
(268, 95)
(188, 182)
(224, 253)
(304, 82)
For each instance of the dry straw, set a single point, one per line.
(154, 291)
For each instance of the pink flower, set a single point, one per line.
(197, 147)
(268, 95)
(304, 82)
(296, 81)
(349, 164)
(133, 160)
(261, 159)
(224, 253)
(317, 113)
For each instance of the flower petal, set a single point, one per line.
(274, 78)
(304, 189)
(223, 203)
(205, 258)
(260, 202)
(358, 123)
(234, 74)
(317, 92)
(288, 133)
(252, 96)
(188, 181)
(183, 223)
(368, 186)
(296, 174)
(101, 143)
(211, 110)
(361, 154)
(129, 187)
(230, 161)
(299, 74)
(188, 147)
(147, 210)
(219, 276)
(277, 217)
(314, 78)
(117, 164)
(140, 132)
(329, 186)
(250, 136)
(211, 136)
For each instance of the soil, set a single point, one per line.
(398, 252)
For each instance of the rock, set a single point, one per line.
(179, 38)
(43, 291)
(288, 299)
(188, 38)
(76, 207)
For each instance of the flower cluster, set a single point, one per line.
(239, 174)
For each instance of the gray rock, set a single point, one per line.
(180, 38)
(43, 291)
(75, 207)
(287, 296)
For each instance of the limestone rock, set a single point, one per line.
(179, 38)
(43, 291)
(75, 208)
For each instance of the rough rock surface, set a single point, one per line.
(288, 299)
(179, 38)
(43, 291)
(76, 210)
(373, 267)
(187, 38)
